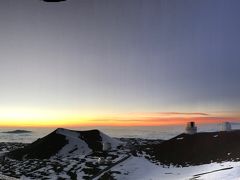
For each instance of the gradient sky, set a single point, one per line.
(91, 59)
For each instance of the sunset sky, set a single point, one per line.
(123, 62)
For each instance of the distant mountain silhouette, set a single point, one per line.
(17, 131)
(63, 142)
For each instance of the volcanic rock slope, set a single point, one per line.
(64, 142)
(196, 149)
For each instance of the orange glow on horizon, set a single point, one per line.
(38, 118)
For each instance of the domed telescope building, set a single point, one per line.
(226, 126)
(191, 128)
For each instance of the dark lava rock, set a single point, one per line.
(200, 148)
(92, 138)
(42, 148)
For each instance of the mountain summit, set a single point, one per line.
(63, 142)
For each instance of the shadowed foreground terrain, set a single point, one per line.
(196, 149)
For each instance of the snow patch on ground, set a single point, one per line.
(3, 177)
(106, 139)
(75, 144)
(141, 169)
(180, 138)
(78, 146)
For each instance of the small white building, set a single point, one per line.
(101, 160)
(191, 128)
(107, 146)
(226, 126)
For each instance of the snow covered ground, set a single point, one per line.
(121, 163)
(141, 169)
(77, 145)
(3, 177)
(74, 142)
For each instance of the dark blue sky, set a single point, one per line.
(120, 56)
